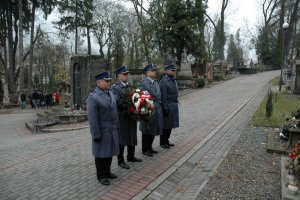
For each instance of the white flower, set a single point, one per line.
(137, 90)
(143, 110)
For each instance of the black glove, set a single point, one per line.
(97, 140)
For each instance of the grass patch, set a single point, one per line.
(275, 81)
(283, 105)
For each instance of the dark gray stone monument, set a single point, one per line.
(83, 69)
(296, 77)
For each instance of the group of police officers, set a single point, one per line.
(112, 129)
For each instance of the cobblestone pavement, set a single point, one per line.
(60, 165)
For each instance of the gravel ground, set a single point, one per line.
(247, 172)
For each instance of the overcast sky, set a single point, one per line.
(238, 13)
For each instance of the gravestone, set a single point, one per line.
(83, 69)
(184, 75)
(296, 77)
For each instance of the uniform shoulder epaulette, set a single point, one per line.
(166, 77)
(93, 92)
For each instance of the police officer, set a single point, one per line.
(128, 126)
(103, 120)
(154, 127)
(169, 97)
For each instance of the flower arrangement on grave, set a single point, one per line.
(293, 167)
(139, 104)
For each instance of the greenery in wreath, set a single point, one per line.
(138, 104)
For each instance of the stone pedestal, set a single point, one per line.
(185, 76)
(185, 70)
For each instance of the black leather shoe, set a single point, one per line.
(112, 176)
(124, 165)
(171, 145)
(134, 159)
(104, 181)
(148, 153)
(165, 146)
(153, 151)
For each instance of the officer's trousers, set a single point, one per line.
(103, 167)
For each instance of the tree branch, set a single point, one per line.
(37, 36)
(213, 23)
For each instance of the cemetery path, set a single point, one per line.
(60, 165)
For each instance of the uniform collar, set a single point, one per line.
(124, 84)
(99, 90)
(152, 81)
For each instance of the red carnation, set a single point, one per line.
(143, 103)
(131, 109)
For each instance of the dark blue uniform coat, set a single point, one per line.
(169, 100)
(156, 124)
(103, 119)
(128, 126)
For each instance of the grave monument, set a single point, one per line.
(184, 75)
(83, 69)
(296, 74)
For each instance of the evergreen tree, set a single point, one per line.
(264, 46)
(76, 14)
(118, 48)
(269, 105)
(235, 51)
(217, 43)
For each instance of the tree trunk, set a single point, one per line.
(222, 35)
(10, 50)
(143, 37)
(290, 30)
(89, 40)
(21, 64)
(6, 63)
(279, 48)
(76, 29)
(31, 49)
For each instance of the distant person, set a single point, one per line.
(49, 100)
(128, 126)
(57, 97)
(23, 100)
(169, 102)
(35, 99)
(42, 98)
(103, 120)
(30, 97)
(154, 127)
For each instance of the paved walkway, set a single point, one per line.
(60, 165)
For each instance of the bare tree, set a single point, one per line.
(21, 63)
(139, 9)
(222, 24)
